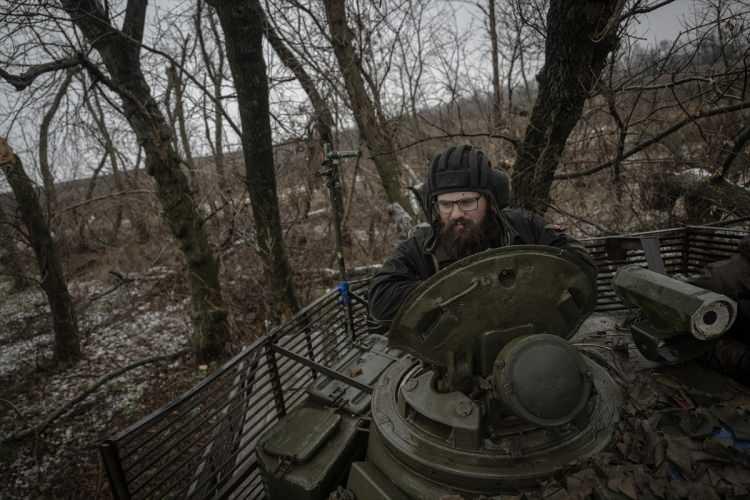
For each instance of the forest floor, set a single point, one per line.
(121, 321)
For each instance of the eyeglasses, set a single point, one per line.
(464, 204)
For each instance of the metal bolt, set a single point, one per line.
(463, 408)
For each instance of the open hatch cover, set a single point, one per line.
(498, 294)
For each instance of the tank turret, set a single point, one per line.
(491, 395)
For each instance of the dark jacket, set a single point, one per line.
(414, 261)
(731, 277)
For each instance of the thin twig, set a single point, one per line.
(158, 256)
(600, 228)
(737, 147)
(645, 10)
(655, 139)
(39, 428)
(512, 140)
(14, 407)
(121, 280)
(36, 434)
(105, 197)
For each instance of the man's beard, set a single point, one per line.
(474, 238)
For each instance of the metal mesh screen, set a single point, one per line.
(202, 445)
(684, 250)
(609, 255)
(707, 244)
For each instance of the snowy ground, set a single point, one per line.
(127, 322)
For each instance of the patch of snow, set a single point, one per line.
(697, 172)
(320, 211)
(117, 329)
(403, 221)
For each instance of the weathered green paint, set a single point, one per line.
(471, 309)
(679, 321)
(674, 305)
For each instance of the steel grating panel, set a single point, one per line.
(202, 445)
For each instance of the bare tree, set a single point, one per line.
(120, 51)
(67, 345)
(370, 120)
(214, 64)
(579, 37)
(323, 116)
(9, 255)
(176, 83)
(44, 166)
(243, 26)
(497, 98)
(411, 67)
(94, 107)
(669, 122)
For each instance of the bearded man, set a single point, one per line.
(466, 201)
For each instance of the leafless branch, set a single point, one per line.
(512, 140)
(739, 144)
(658, 137)
(645, 9)
(602, 230)
(39, 428)
(20, 82)
(677, 82)
(105, 197)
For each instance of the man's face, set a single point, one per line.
(461, 210)
(465, 228)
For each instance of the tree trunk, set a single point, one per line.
(9, 257)
(179, 108)
(705, 199)
(378, 141)
(120, 52)
(579, 37)
(109, 147)
(221, 171)
(243, 27)
(80, 220)
(47, 178)
(140, 220)
(216, 74)
(323, 115)
(497, 98)
(67, 343)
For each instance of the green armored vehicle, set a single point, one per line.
(510, 374)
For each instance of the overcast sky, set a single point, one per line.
(664, 23)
